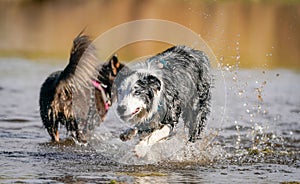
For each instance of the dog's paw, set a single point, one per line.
(146, 143)
(128, 134)
(81, 137)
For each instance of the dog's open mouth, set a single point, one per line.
(136, 113)
(132, 115)
(137, 110)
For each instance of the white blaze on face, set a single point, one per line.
(133, 104)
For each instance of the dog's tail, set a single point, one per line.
(82, 63)
(74, 82)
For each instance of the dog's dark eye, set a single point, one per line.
(136, 93)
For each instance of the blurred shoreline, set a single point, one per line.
(252, 34)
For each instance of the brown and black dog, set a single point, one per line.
(78, 96)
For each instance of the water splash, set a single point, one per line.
(251, 120)
(241, 132)
(175, 149)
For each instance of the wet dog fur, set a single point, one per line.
(68, 98)
(153, 94)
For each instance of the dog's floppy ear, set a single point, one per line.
(114, 64)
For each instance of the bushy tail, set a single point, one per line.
(82, 63)
(73, 88)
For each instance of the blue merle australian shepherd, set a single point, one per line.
(153, 94)
(78, 96)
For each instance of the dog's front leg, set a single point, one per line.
(129, 134)
(145, 144)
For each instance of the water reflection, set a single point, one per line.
(262, 33)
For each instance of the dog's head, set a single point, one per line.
(109, 70)
(138, 97)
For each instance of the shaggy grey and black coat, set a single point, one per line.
(182, 77)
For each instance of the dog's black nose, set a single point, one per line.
(121, 109)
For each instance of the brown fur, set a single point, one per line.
(68, 98)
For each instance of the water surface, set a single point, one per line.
(253, 135)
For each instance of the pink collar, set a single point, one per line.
(98, 86)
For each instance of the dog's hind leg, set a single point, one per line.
(76, 133)
(53, 132)
(197, 124)
(191, 123)
(202, 118)
(194, 116)
(56, 136)
(172, 116)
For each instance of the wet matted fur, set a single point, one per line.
(153, 94)
(68, 97)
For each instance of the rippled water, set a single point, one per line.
(253, 136)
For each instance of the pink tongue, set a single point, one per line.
(136, 110)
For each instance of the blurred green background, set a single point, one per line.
(252, 33)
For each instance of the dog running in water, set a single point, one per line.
(153, 94)
(78, 96)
